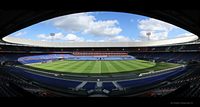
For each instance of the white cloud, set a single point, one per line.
(104, 28)
(134, 40)
(154, 35)
(75, 38)
(85, 23)
(74, 22)
(60, 36)
(119, 39)
(72, 37)
(158, 29)
(44, 40)
(44, 37)
(111, 39)
(57, 36)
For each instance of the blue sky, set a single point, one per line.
(101, 27)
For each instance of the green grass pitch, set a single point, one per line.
(101, 67)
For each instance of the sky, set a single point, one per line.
(101, 27)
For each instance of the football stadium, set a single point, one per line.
(101, 61)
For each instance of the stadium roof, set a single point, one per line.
(28, 42)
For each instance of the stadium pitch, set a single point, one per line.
(102, 67)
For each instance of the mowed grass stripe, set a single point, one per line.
(51, 64)
(66, 63)
(93, 68)
(57, 67)
(76, 65)
(117, 66)
(54, 63)
(89, 68)
(104, 68)
(111, 68)
(133, 64)
(81, 67)
(129, 66)
(145, 63)
(97, 67)
(47, 64)
(72, 67)
(124, 67)
(140, 64)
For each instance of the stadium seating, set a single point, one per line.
(150, 80)
(45, 58)
(51, 81)
(100, 53)
(185, 86)
(109, 86)
(13, 86)
(168, 57)
(90, 86)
